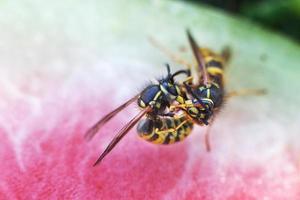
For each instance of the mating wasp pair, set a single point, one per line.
(171, 108)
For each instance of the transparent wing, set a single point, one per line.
(121, 134)
(199, 58)
(91, 132)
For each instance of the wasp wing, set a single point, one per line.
(95, 128)
(121, 134)
(198, 56)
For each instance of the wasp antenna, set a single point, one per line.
(168, 68)
(186, 72)
(199, 58)
(121, 134)
(169, 72)
(95, 128)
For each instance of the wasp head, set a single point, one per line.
(200, 108)
(161, 95)
(200, 111)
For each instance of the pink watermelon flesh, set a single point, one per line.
(44, 155)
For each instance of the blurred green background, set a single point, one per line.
(278, 15)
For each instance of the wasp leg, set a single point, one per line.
(207, 142)
(188, 80)
(226, 54)
(186, 83)
(246, 92)
(176, 58)
(207, 139)
(183, 48)
(184, 106)
(172, 129)
(169, 114)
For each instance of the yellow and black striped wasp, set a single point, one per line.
(205, 96)
(160, 126)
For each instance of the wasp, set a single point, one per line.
(205, 97)
(160, 126)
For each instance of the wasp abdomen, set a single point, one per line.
(165, 130)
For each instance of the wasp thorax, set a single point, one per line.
(150, 94)
(169, 89)
(212, 95)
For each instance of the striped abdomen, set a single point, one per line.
(214, 65)
(165, 130)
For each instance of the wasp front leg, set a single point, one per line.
(175, 57)
(246, 92)
(175, 130)
(207, 135)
